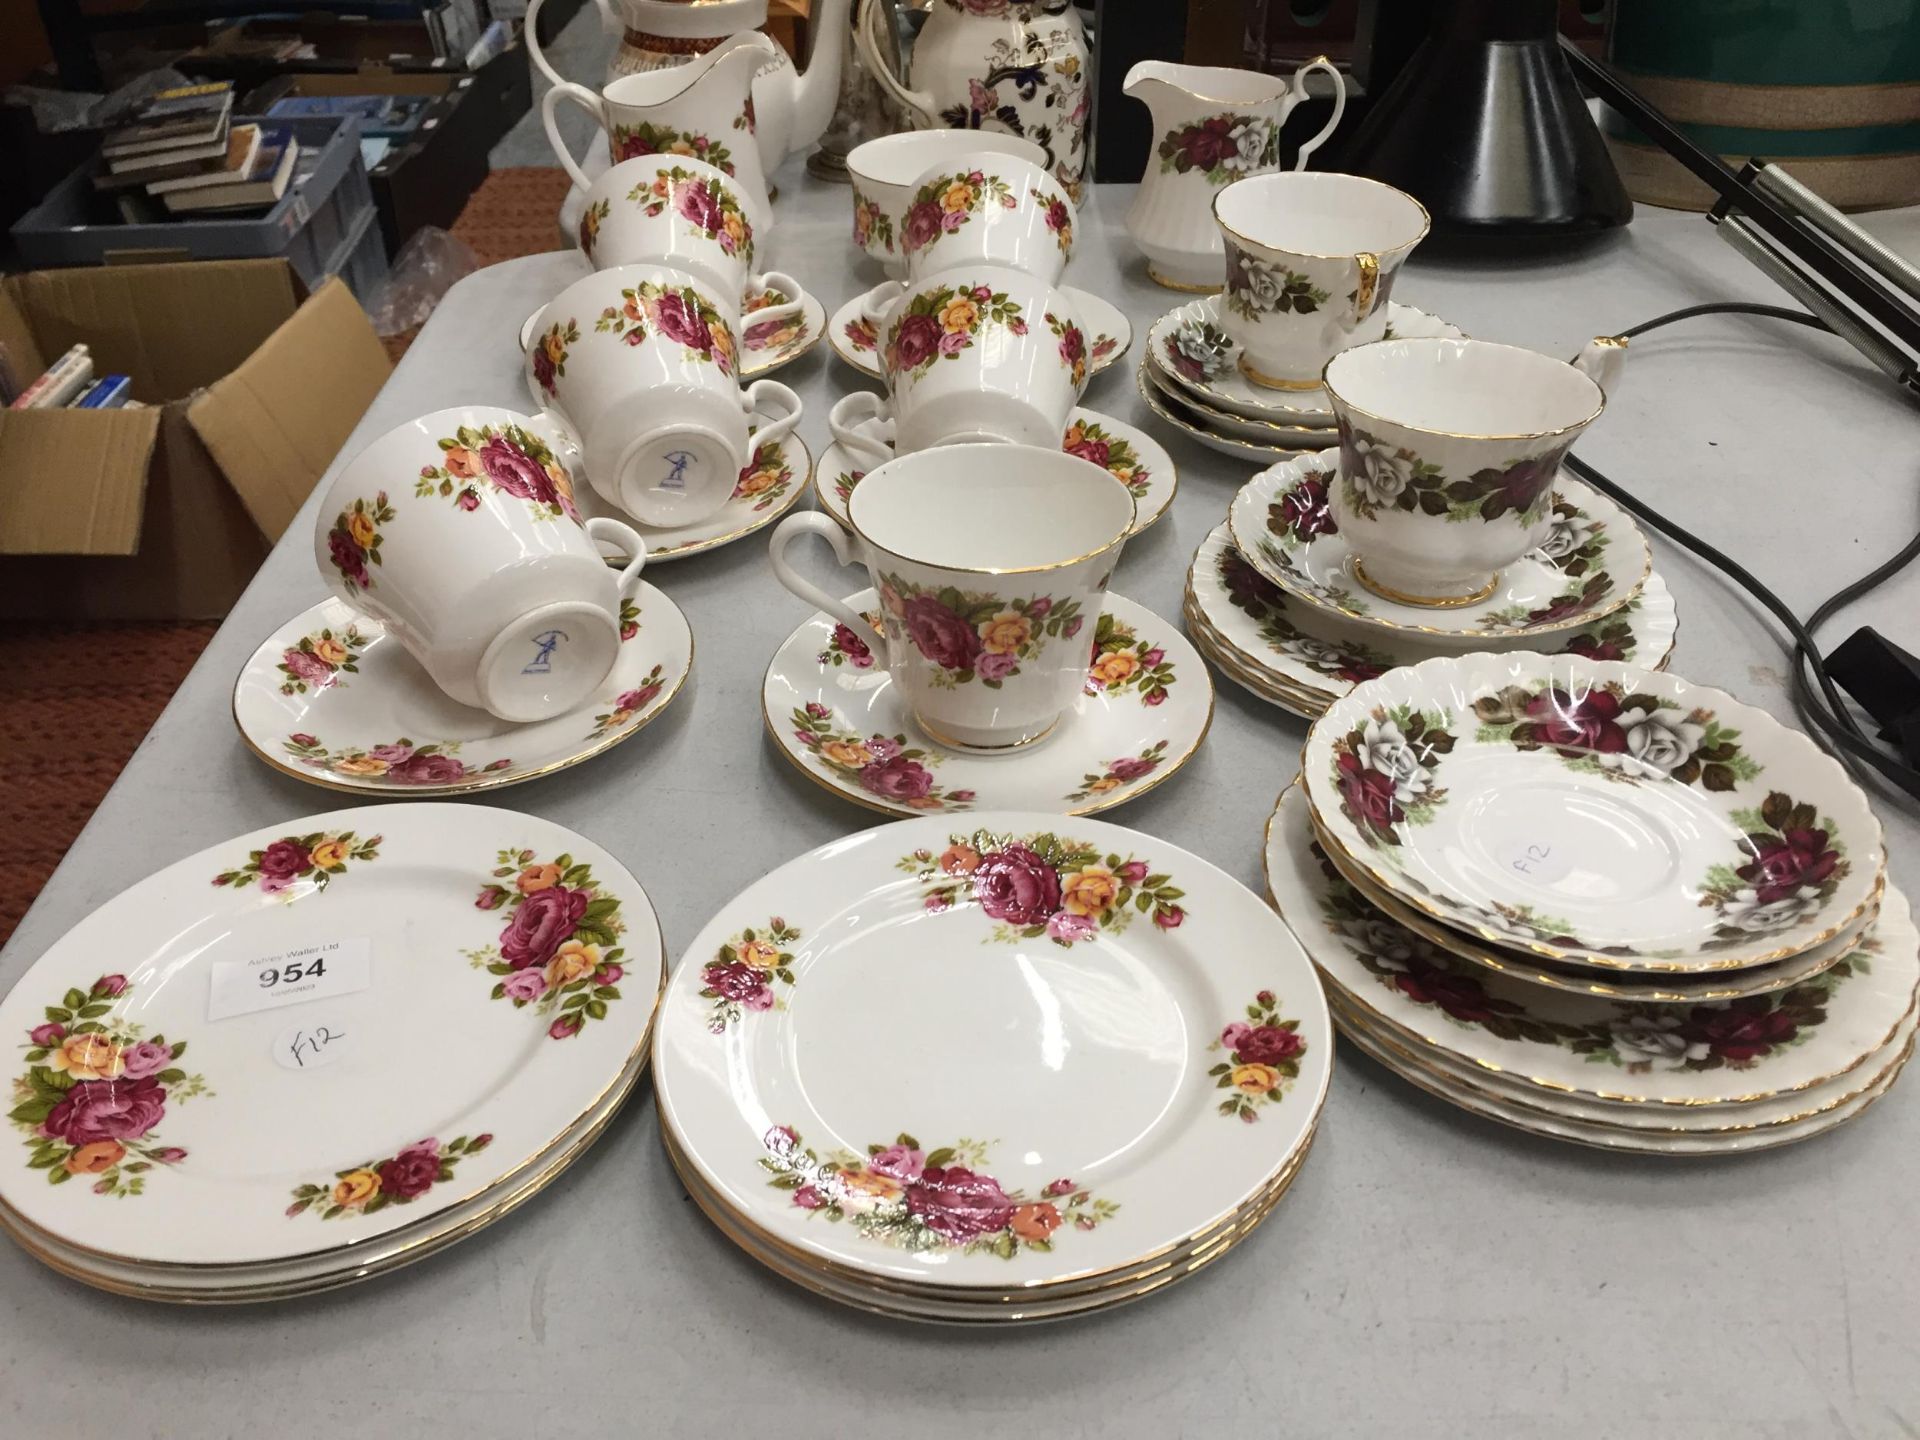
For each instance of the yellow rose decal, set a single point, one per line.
(1005, 633)
(329, 855)
(361, 528)
(959, 197)
(1254, 1079)
(359, 765)
(1090, 891)
(1114, 667)
(571, 962)
(331, 651)
(960, 317)
(866, 1185)
(851, 753)
(758, 953)
(462, 462)
(356, 1187)
(536, 878)
(87, 1057)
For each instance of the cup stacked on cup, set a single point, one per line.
(640, 360)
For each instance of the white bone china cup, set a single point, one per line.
(886, 171)
(458, 532)
(984, 207)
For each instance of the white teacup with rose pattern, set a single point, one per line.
(991, 563)
(640, 360)
(987, 208)
(458, 532)
(886, 172)
(1448, 453)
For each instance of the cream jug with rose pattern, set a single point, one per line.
(1211, 127)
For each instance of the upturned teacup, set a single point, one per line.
(979, 352)
(983, 207)
(640, 360)
(991, 563)
(669, 210)
(1311, 258)
(886, 172)
(1448, 453)
(458, 532)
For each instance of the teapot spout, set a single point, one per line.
(816, 89)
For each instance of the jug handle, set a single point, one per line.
(588, 101)
(1602, 360)
(610, 20)
(920, 102)
(530, 26)
(1298, 89)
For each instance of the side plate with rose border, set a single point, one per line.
(333, 699)
(1284, 443)
(764, 493)
(837, 716)
(179, 1109)
(1116, 1047)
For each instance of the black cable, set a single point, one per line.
(1827, 710)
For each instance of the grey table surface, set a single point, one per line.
(1429, 1273)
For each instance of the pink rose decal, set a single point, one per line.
(1017, 886)
(544, 921)
(958, 1205)
(941, 635)
(106, 1110)
(144, 1059)
(513, 470)
(428, 770)
(897, 779)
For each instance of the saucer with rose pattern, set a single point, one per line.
(854, 339)
(1131, 456)
(334, 699)
(838, 717)
(766, 490)
(1592, 562)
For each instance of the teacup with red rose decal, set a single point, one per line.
(991, 563)
(1448, 453)
(886, 173)
(642, 361)
(459, 533)
(982, 207)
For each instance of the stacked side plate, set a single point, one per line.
(1598, 903)
(328, 1050)
(1008, 1070)
(1270, 598)
(1190, 377)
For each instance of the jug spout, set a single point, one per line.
(1202, 85)
(816, 90)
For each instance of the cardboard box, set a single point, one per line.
(165, 512)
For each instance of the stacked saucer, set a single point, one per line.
(1598, 903)
(241, 1107)
(1272, 601)
(1191, 378)
(1104, 1068)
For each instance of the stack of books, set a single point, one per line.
(68, 383)
(180, 154)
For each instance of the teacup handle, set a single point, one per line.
(754, 398)
(625, 538)
(920, 102)
(864, 407)
(775, 280)
(1367, 291)
(550, 103)
(1603, 359)
(873, 307)
(812, 522)
(528, 327)
(1297, 89)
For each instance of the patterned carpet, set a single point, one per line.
(78, 699)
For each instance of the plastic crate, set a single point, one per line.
(311, 226)
(363, 261)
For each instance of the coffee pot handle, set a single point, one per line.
(1298, 91)
(813, 522)
(1603, 359)
(550, 103)
(920, 102)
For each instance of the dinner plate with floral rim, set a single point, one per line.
(1631, 1141)
(766, 346)
(1122, 1046)
(252, 1282)
(333, 699)
(1287, 444)
(1759, 1115)
(184, 1108)
(1618, 984)
(1605, 815)
(949, 1308)
(766, 490)
(841, 721)
(1327, 656)
(1190, 346)
(979, 1301)
(1131, 456)
(1593, 562)
(854, 341)
(1717, 1053)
